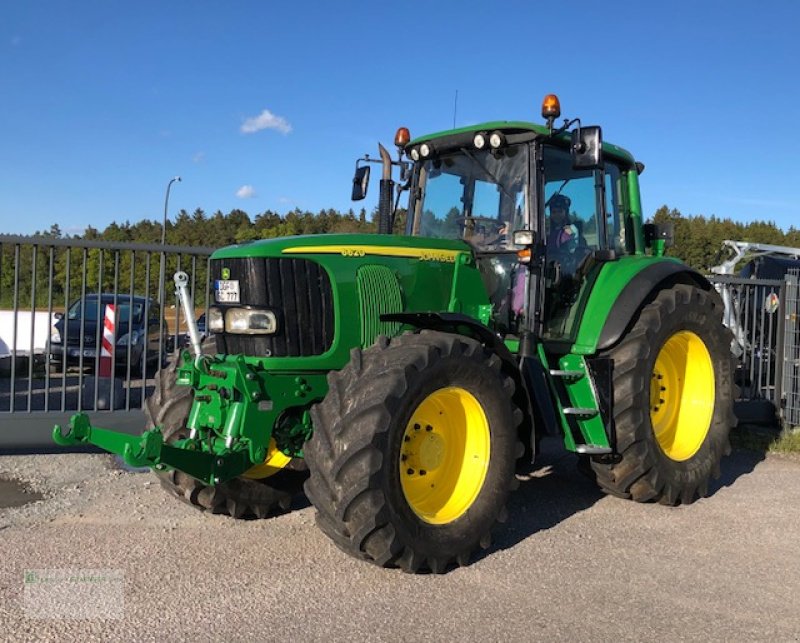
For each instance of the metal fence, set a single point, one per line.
(53, 295)
(791, 351)
(755, 311)
(764, 316)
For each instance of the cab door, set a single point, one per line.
(592, 200)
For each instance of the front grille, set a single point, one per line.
(297, 290)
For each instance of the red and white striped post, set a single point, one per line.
(108, 341)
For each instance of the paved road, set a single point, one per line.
(571, 564)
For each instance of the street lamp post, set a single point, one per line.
(163, 243)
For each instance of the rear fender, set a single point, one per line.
(640, 290)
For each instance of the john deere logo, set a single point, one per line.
(226, 273)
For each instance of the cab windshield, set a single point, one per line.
(479, 196)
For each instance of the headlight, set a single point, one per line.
(425, 150)
(214, 320)
(135, 337)
(415, 153)
(479, 141)
(250, 322)
(55, 335)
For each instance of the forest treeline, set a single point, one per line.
(698, 240)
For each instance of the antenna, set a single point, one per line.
(455, 109)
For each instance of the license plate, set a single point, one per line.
(226, 291)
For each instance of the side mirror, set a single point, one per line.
(659, 234)
(587, 148)
(360, 183)
(58, 315)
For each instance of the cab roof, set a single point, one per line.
(519, 127)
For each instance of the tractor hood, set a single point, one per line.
(349, 245)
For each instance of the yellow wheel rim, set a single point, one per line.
(444, 455)
(274, 462)
(682, 395)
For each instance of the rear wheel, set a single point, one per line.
(673, 400)
(263, 490)
(414, 450)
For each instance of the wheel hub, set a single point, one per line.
(444, 455)
(682, 395)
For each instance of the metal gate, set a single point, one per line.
(764, 316)
(791, 351)
(53, 296)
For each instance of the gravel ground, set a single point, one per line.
(570, 564)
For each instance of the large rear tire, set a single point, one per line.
(241, 497)
(673, 400)
(414, 450)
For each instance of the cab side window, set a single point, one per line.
(572, 222)
(615, 200)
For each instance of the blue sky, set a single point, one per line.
(267, 105)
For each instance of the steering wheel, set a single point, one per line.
(572, 250)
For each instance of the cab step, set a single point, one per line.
(592, 449)
(566, 374)
(584, 413)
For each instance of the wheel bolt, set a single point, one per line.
(403, 457)
(410, 472)
(416, 427)
(406, 438)
(428, 427)
(660, 401)
(422, 472)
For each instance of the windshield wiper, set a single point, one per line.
(486, 169)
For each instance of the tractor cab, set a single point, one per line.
(525, 196)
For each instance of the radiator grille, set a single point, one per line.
(379, 293)
(297, 290)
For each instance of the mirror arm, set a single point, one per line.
(567, 124)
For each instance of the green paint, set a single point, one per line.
(379, 294)
(613, 277)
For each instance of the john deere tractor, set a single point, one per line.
(404, 376)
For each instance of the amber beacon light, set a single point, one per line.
(551, 108)
(402, 137)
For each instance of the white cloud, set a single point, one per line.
(284, 200)
(198, 157)
(246, 192)
(265, 120)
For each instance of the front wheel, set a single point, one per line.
(414, 450)
(673, 400)
(266, 489)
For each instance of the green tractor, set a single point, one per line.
(404, 378)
